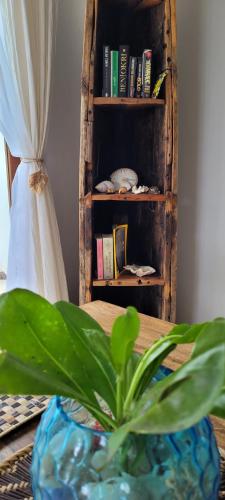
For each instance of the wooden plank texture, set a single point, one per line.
(128, 197)
(127, 101)
(131, 280)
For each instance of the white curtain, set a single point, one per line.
(27, 34)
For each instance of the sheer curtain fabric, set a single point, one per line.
(27, 33)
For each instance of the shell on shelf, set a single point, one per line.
(140, 271)
(140, 189)
(124, 177)
(105, 187)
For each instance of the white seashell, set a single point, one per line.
(105, 187)
(140, 189)
(140, 271)
(122, 176)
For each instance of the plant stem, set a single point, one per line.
(119, 398)
(141, 369)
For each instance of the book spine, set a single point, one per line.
(139, 78)
(123, 70)
(108, 257)
(106, 90)
(114, 72)
(99, 244)
(132, 76)
(146, 73)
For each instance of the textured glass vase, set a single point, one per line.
(68, 458)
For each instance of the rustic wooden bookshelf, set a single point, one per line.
(136, 133)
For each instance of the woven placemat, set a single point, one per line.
(15, 480)
(16, 410)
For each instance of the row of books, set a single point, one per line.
(111, 253)
(125, 75)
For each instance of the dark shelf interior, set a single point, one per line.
(119, 24)
(145, 230)
(148, 300)
(130, 139)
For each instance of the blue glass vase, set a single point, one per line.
(69, 460)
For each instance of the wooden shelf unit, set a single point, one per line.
(137, 133)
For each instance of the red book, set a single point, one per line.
(99, 253)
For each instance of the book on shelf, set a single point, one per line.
(99, 257)
(108, 256)
(146, 73)
(138, 89)
(114, 72)
(124, 51)
(120, 248)
(106, 90)
(132, 76)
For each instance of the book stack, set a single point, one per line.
(125, 75)
(111, 253)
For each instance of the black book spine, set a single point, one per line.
(146, 73)
(132, 76)
(106, 89)
(139, 78)
(124, 51)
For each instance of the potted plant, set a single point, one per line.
(149, 438)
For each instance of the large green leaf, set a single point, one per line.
(92, 348)
(34, 331)
(19, 378)
(124, 334)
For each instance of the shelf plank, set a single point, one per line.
(128, 197)
(126, 279)
(128, 102)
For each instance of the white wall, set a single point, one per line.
(201, 66)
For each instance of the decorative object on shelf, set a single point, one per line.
(140, 189)
(154, 190)
(140, 271)
(105, 187)
(156, 442)
(159, 83)
(120, 248)
(124, 177)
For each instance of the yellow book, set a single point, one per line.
(120, 248)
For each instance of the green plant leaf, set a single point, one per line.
(19, 378)
(33, 331)
(124, 334)
(93, 349)
(219, 408)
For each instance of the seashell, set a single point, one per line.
(124, 176)
(105, 187)
(125, 187)
(154, 190)
(140, 271)
(140, 189)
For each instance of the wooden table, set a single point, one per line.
(151, 329)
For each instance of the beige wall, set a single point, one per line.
(63, 139)
(201, 45)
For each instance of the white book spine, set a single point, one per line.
(108, 257)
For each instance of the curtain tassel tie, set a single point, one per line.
(38, 180)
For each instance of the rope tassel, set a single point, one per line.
(38, 180)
